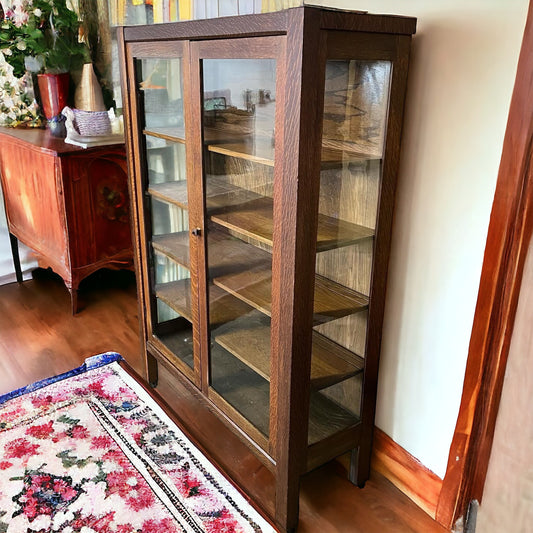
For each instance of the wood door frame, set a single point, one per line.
(509, 234)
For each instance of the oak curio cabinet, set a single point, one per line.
(263, 157)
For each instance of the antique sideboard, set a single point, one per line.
(68, 204)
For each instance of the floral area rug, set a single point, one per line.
(90, 451)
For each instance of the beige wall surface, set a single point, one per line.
(464, 59)
(508, 498)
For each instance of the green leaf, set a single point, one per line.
(71, 460)
(65, 419)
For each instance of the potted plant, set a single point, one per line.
(42, 36)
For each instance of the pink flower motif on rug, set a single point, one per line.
(20, 448)
(93, 453)
(45, 494)
(41, 431)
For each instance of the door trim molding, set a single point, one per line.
(509, 233)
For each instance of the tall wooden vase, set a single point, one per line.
(53, 89)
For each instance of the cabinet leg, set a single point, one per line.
(153, 374)
(16, 258)
(354, 472)
(74, 300)
(359, 466)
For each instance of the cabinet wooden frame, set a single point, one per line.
(301, 40)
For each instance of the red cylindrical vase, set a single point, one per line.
(53, 89)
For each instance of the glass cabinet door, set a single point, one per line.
(239, 105)
(355, 110)
(159, 86)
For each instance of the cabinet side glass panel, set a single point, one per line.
(356, 103)
(238, 129)
(160, 96)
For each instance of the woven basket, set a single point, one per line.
(91, 123)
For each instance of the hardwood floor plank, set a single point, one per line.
(39, 337)
(329, 503)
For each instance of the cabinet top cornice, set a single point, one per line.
(275, 23)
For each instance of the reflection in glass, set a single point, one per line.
(161, 86)
(355, 108)
(165, 160)
(239, 103)
(168, 218)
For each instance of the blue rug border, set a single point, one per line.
(90, 363)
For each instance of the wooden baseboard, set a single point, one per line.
(406, 472)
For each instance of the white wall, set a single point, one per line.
(464, 59)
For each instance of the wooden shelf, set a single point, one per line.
(242, 388)
(336, 150)
(248, 339)
(176, 295)
(173, 134)
(219, 193)
(251, 214)
(332, 363)
(226, 253)
(334, 157)
(175, 246)
(173, 192)
(257, 149)
(331, 300)
(327, 418)
(261, 150)
(223, 307)
(245, 271)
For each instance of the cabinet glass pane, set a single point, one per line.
(238, 121)
(160, 89)
(160, 81)
(356, 102)
(165, 161)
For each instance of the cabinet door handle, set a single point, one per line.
(196, 232)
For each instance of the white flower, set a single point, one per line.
(20, 16)
(37, 12)
(21, 45)
(33, 64)
(16, 107)
(7, 51)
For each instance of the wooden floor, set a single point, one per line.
(39, 337)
